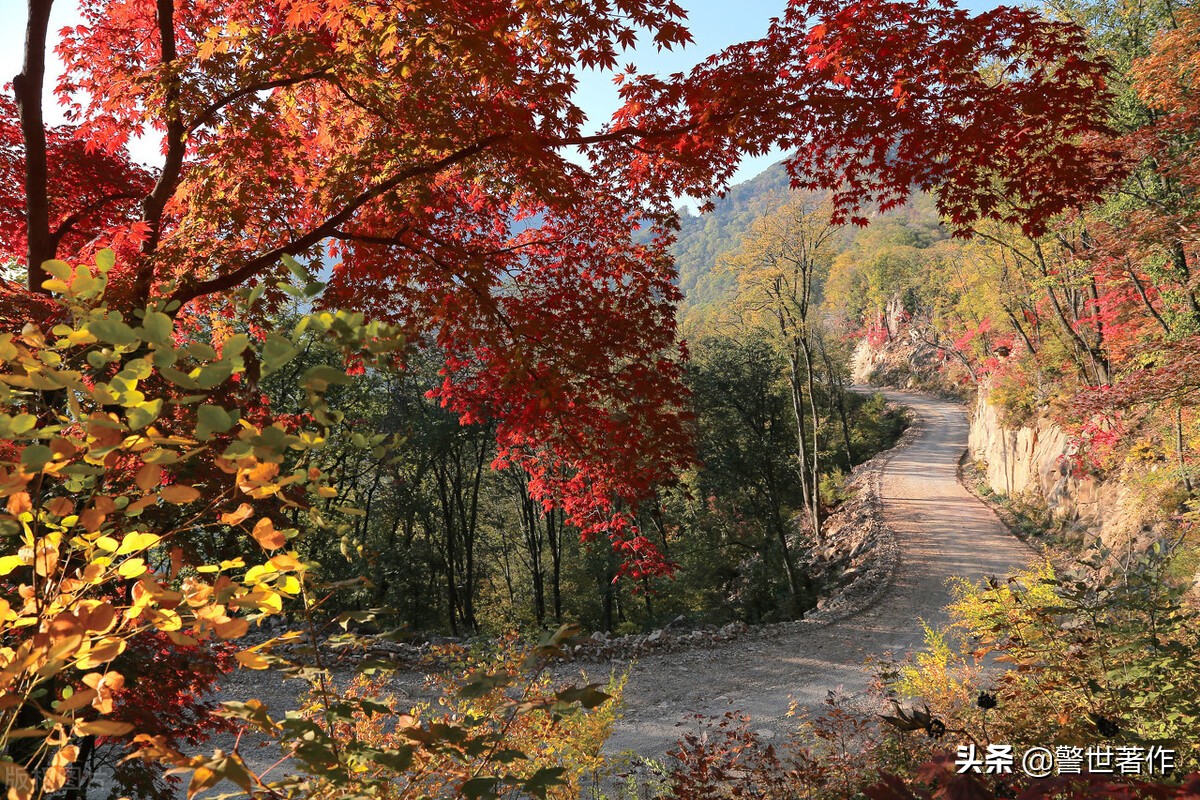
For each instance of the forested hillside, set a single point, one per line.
(704, 239)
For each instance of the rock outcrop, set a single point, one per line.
(1036, 462)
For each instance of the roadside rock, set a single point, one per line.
(1036, 462)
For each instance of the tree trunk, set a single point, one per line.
(554, 539)
(1183, 473)
(802, 458)
(815, 508)
(534, 543)
(838, 391)
(27, 87)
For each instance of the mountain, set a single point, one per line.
(704, 239)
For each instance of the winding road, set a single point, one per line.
(942, 532)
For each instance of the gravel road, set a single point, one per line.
(942, 532)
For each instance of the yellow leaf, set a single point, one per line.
(180, 494)
(256, 573)
(132, 568)
(202, 778)
(102, 654)
(252, 660)
(181, 639)
(133, 542)
(232, 628)
(19, 503)
(9, 563)
(46, 560)
(20, 785)
(285, 561)
(148, 477)
(237, 516)
(267, 536)
(102, 727)
(101, 617)
(61, 507)
(81, 698)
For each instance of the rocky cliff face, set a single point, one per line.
(904, 361)
(1035, 462)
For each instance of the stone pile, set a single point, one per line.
(856, 563)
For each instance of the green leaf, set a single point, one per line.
(105, 259)
(112, 330)
(36, 456)
(398, 760)
(321, 377)
(507, 756)
(296, 268)
(234, 345)
(481, 683)
(588, 696)
(294, 291)
(543, 780)
(213, 375)
(59, 269)
(179, 378)
(277, 351)
(252, 711)
(255, 293)
(165, 357)
(211, 419)
(157, 327)
(483, 786)
(142, 415)
(201, 351)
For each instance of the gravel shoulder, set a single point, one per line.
(941, 531)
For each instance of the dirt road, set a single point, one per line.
(942, 532)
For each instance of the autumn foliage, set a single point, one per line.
(411, 161)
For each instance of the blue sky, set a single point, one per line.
(714, 24)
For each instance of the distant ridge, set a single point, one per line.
(704, 239)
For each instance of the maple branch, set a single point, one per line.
(513, 248)
(27, 87)
(337, 84)
(211, 110)
(67, 224)
(190, 291)
(366, 238)
(1141, 290)
(156, 201)
(632, 132)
